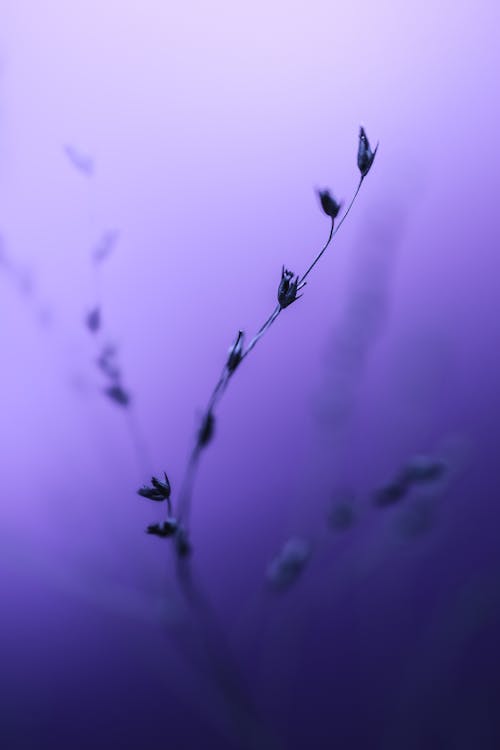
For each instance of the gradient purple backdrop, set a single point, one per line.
(210, 126)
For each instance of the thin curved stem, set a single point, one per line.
(330, 237)
(226, 375)
(267, 325)
(186, 492)
(333, 232)
(217, 391)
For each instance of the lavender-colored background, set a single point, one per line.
(208, 127)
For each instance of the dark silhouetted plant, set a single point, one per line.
(287, 293)
(114, 388)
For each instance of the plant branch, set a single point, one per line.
(185, 498)
(333, 231)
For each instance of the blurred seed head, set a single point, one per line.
(93, 320)
(118, 394)
(391, 493)
(423, 469)
(418, 470)
(289, 564)
(106, 362)
(105, 246)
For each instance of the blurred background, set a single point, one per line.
(158, 164)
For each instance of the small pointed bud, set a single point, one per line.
(329, 204)
(235, 353)
(206, 431)
(287, 290)
(365, 154)
(93, 320)
(158, 491)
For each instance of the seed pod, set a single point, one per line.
(365, 154)
(329, 204)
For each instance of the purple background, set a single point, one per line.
(209, 126)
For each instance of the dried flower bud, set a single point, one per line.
(287, 290)
(235, 353)
(93, 320)
(166, 529)
(182, 543)
(365, 154)
(329, 204)
(163, 487)
(158, 491)
(118, 394)
(206, 431)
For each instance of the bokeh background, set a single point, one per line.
(185, 142)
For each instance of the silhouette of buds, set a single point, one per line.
(158, 491)
(365, 154)
(163, 530)
(118, 394)
(206, 431)
(235, 353)
(287, 290)
(329, 204)
(93, 320)
(182, 543)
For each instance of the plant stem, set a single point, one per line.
(333, 232)
(217, 393)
